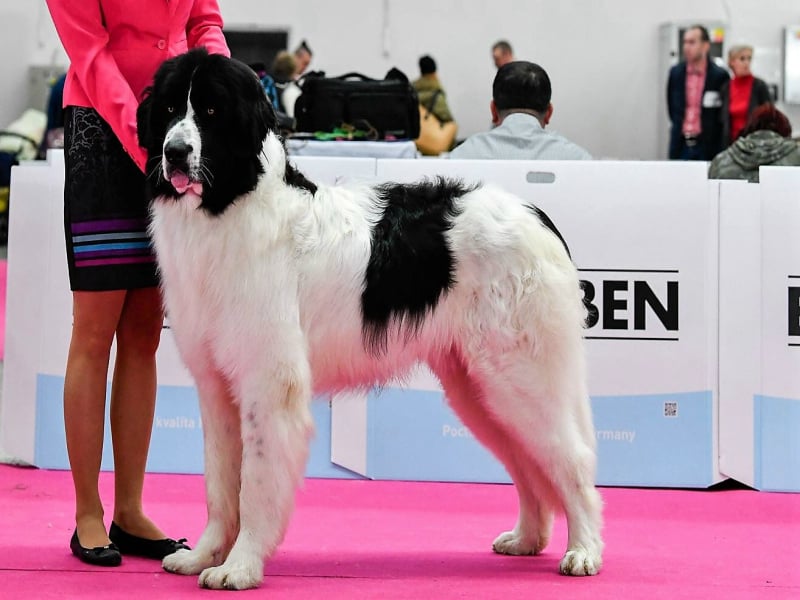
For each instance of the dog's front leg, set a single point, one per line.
(222, 454)
(276, 426)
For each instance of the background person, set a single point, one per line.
(694, 101)
(302, 57)
(502, 53)
(284, 68)
(54, 130)
(430, 88)
(521, 109)
(114, 49)
(742, 94)
(764, 141)
(288, 88)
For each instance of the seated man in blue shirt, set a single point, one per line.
(521, 109)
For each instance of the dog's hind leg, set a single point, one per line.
(533, 529)
(544, 410)
(222, 454)
(276, 428)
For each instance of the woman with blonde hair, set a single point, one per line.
(742, 95)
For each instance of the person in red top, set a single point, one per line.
(115, 47)
(742, 95)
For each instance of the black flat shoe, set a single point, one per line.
(102, 556)
(137, 546)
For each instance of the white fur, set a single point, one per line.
(264, 301)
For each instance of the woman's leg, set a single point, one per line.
(133, 398)
(95, 318)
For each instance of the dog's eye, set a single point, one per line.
(170, 109)
(210, 111)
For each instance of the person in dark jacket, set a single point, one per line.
(694, 100)
(742, 94)
(765, 141)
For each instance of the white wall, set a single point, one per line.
(27, 37)
(602, 56)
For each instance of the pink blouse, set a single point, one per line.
(116, 46)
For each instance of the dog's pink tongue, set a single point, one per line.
(180, 181)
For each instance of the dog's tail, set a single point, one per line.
(275, 162)
(295, 178)
(547, 222)
(591, 309)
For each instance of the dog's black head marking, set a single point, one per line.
(204, 120)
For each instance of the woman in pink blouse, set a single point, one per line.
(115, 47)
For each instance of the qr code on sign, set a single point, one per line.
(670, 409)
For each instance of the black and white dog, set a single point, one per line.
(277, 288)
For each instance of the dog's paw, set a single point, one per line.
(233, 576)
(186, 562)
(512, 542)
(580, 562)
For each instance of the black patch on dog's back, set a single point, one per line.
(411, 264)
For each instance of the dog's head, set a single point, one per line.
(203, 124)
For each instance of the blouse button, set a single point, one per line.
(162, 44)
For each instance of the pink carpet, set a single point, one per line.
(367, 539)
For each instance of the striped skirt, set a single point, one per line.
(105, 209)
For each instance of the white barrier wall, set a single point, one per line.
(652, 240)
(37, 297)
(760, 330)
(777, 405)
(739, 325)
(644, 236)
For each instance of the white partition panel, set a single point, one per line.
(739, 324)
(696, 337)
(644, 236)
(776, 405)
(336, 171)
(34, 302)
(759, 329)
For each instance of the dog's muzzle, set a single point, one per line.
(176, 166)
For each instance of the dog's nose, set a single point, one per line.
(176, 152)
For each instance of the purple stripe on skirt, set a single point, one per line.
(122, 260)
(101, 253)
(109, 225)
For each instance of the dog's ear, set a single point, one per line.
(143, 128)
(267, 119)
(255, 117)
(146, 129)
(263, 115)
